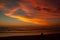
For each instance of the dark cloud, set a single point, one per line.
(37, 8)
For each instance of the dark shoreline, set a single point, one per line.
(34, 37)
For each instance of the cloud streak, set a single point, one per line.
(38, 8)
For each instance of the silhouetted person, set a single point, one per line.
(42, 36)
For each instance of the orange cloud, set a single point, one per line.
(2, 6)
(40, 16)
(23, 18)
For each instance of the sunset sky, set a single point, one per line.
(30, 13)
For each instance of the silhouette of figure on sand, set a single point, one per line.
(42, 36)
